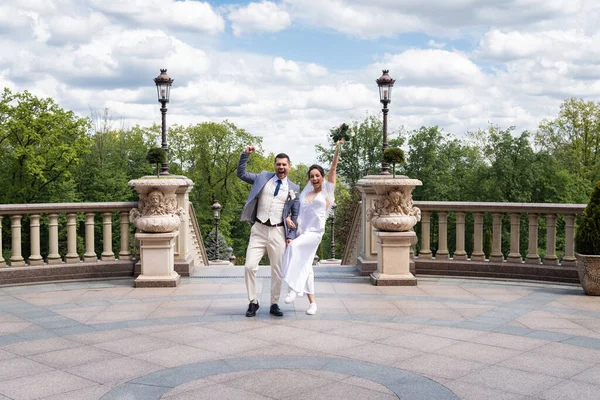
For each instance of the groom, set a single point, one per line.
(266, 207)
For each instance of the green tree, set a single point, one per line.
(361, 155)
(574, 137)
(41, 145)
(211, 243)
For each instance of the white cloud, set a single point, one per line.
(259, 17)
(165, 14)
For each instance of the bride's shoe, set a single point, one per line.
(291, 296)
(312, 309)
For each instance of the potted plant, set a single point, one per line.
(156, 156)
(587, 245)
(394, 155)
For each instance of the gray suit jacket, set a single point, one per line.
(258, 181)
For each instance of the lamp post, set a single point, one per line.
(332, 222)
(163, 89)
(385, 83)
(216, 208)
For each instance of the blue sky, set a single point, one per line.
(288, 70)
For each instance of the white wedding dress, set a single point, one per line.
(300, 253)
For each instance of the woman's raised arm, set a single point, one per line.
(334, 162)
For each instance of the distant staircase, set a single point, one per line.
(196, 243)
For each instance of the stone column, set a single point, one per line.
(367, 253)
(16, 259)
(550, 258)
(124, 254)
(569, 257)
(72, 256)
(393, 259)
(34, 232)
(2, 262)
(157, 252)
(478, 254)
(184, 256)
(460, 253)
(532, 253)
(107, 253)
(496, 255)
(53, 256)
(442, 253)
(515, 230)
(90, 252)
(425, 252)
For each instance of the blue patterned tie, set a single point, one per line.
(277, 187)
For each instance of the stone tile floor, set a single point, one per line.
(444, 339)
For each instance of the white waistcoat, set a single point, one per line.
(270, 207)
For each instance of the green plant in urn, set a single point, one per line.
(587, 245)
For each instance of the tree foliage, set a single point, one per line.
(574, 137)
(41, 146)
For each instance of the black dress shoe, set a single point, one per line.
(252, 308)
(276, 311)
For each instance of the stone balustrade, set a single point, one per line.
(514, 211)
(52, 211)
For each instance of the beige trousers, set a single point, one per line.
(272, 240)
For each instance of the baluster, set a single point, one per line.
(90, 252)
(107, 254)
(496, 255)
(460, 253)
(425, 251)
(15, 226)
(550, 258)
(478, 254)
(124, 254)
(569, 257)
(442, 253)
(72, 256)
(515, 237)
(53, 256)
(532, 253)
(2, 262)
(34, 229)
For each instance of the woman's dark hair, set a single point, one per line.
(317, 167)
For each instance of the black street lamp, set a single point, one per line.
(385, 83)
(163, 89)
(332, 222)
(216, 208)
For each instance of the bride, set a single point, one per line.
(315, 204)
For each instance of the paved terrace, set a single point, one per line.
(445, 339)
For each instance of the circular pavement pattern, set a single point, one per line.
(405, 385)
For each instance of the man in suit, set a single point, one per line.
(267, 207)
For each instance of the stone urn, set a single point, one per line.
(157, 210)
(588, 268)
(393, 216)
(393, 209)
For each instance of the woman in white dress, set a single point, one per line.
(315, 204)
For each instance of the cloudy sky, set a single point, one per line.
(288, 70)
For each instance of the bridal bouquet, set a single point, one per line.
(341, 132)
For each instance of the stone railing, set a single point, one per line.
(48, 264)
(508, 262)
(52, 212)
(557, 264)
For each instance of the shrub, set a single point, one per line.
(587, 236)
(156, 156)
(394, 155)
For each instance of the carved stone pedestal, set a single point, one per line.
(393, 259)
(157, 257)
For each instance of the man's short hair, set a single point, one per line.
(282, 155)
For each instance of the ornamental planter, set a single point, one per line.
(588, 268)
(157, 210)
(393, 216)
